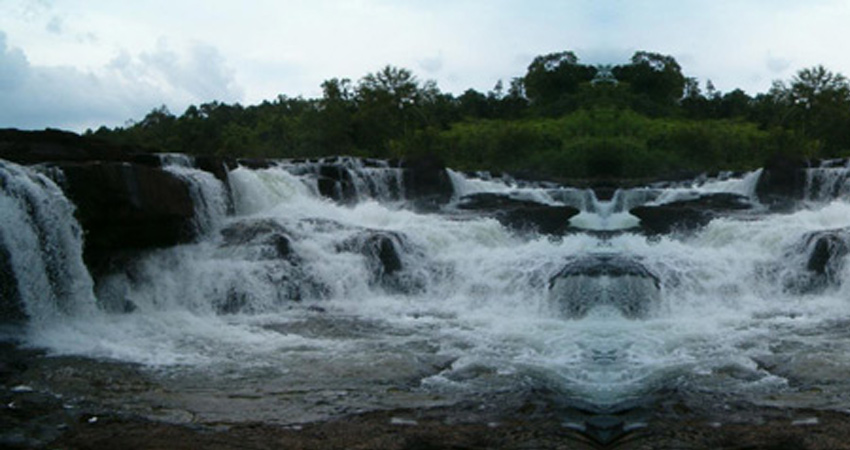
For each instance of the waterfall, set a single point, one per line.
(42, 245)
(296, 292)
(209, 195)
(827, 182)
(353, 179)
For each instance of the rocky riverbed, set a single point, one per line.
(78, 403)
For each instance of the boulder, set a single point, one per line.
(824, 253)
(123, 206)
(385, 253)
(270, 236)
(265, 245)
(687, 215)
(782, 182)
(521, 215)
(426, 182)
(216, 165)
(591, 281)
(335, 182)
(381, 248)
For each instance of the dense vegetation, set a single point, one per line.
(562, 119)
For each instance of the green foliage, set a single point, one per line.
(561, 119)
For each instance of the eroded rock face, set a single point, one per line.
(688, 215)
(125, 201)
(426, 182)
(521, 215)
(335, 182)
(592, 281)
(782, 182)
(123, 206)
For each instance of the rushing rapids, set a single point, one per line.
(320, 282)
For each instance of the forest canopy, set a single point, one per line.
(561, 119)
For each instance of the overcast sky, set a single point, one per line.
(77, 64)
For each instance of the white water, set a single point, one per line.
(44, 246)
(209, 195)
(470, 312)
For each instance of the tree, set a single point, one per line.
(655, 79)
(552, 79)
(817, 103)
(391, 103)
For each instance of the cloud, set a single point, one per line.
(34, 96)
(431, 65)
(777, 65)
(55, 25)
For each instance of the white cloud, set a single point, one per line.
(36, 96)
(150, 52)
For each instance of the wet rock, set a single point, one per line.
(216, 165)
(426, 182)
(11, 308)
(256, 163)
(124, 206)
(521, 215)
(335, 182)
(782, 182)
(688, 215)
(590, 281)
(385, 257)
(266, 233)
(826, 252)
(279, 272)
(380, 247)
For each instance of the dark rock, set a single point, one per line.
(607, 265)
(216, 165)
(255, 163)
(605, 192)
(269, 244)
(521, 215)
(838, 163)
(826, 249)
(587, 282)
(267, 233)
(11, 308)
(426, 182)
(33, 147)
(380, 247)
(124, 206)
(385, 253)
(825, 252)
(687, 215)
(336, 183)
(782, 182)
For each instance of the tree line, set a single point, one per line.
(561, 119)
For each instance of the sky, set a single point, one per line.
(79, 64)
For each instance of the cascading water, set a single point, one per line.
(41, 248)
(368, 306)
(209, 195)
(827, 182)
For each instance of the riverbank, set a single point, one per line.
(48, 403)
